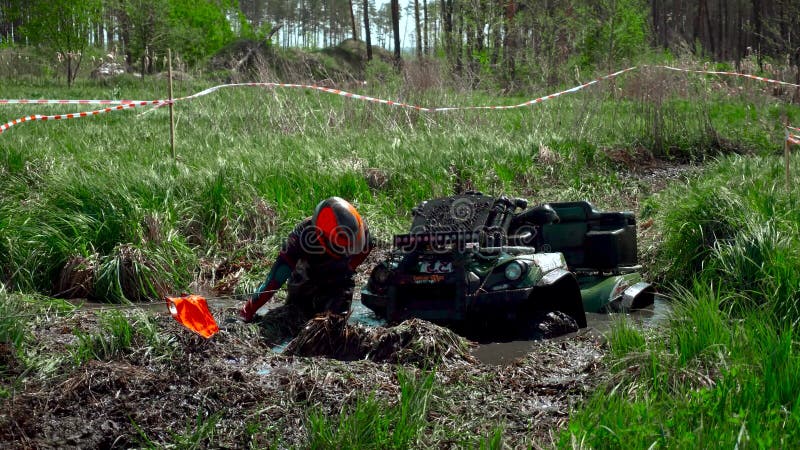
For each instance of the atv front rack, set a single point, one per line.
(419, 241)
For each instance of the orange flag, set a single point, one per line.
(192, 312)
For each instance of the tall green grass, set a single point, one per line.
(89, 186)
(12, 327)
(724, 371)
(372, 423)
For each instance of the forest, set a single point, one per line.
(545, 39)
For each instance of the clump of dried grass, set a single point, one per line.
(330, 335)
(77, 277)
(414, 341)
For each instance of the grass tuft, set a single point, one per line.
(118, 336)
(371, 423)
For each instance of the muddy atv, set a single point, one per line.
(472, 261)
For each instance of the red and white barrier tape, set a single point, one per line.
(129, 104)
(24, 101)
(793, 139)
(793, 128)
(77, 115)
(159, 103)
(734, 74)
(400, 104)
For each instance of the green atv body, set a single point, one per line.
(477, 260)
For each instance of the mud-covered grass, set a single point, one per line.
(164, 386)
(724, 371)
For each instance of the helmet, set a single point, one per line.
(339, 227)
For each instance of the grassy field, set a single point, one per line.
(252, 162)
(97, 207)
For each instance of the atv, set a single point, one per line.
(474, 261)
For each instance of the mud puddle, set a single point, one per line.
(503, 353)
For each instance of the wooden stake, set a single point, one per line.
(171, 105)
(786, 149)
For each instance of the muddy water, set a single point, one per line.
(498, 353)
(503, 353)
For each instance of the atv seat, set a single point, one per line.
(590, 239)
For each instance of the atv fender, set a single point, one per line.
(558, 290)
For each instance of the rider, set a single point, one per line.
(319, 259)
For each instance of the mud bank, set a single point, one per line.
(234, 391)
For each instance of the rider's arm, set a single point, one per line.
(280, 272)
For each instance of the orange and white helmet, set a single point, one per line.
(339, 227)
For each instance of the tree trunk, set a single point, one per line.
(418, 29)
(353, 22)
(759, 30)
(447, 24)
(69, 69)
(396, 31)
(709, 30)
(611, 42)
(367, 34)
(426, 42)
(509, 42)
(458, 38)
(723, 32)
(330, 23)
(496, 32)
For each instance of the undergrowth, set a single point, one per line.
(724, 371)
(119, 335)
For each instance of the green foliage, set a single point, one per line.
(114, 338)
(13, 329)
(199, 29)
(724, 372)
(371, 423)
(192, 30)
(148, 28)
(494, 441)
(62, 26)
(381, 72)
(198, 433)
(18, 346)
(617, 31)
(625, 338)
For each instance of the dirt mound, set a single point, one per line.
(412, 342)
(257, 60)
